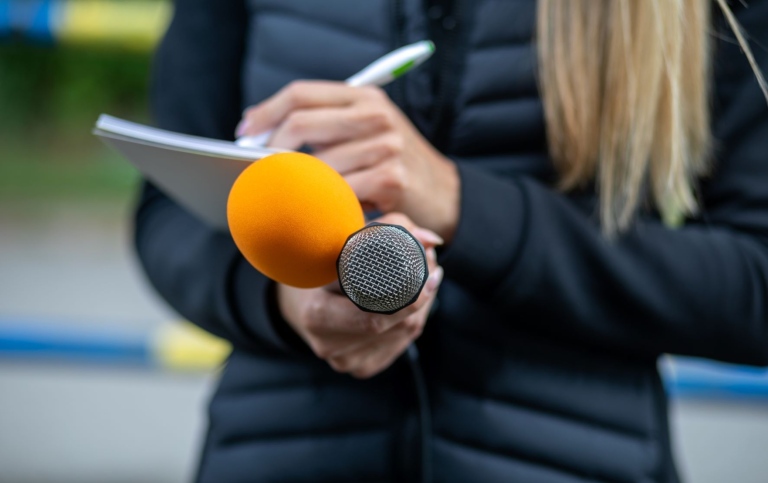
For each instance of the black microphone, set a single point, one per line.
(382, 268)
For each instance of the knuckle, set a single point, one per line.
(412, 309)
(416, 330)
(366, 373)
(396, 179)
(321, 349)
(296, 122)
(314, 318)
(312, 323)
(374, 93)
(374, 325)
(376, 118)
(397, 219)
(391, 147)
(414, 325)
(387, 203)
(340, 364)
(391, 118)
(411, 323)
(294, 91)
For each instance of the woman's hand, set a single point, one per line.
(365, 137)
(350, 340)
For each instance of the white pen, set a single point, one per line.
(380, 72)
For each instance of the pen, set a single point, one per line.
(379, 73)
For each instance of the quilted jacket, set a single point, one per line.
(539, 363)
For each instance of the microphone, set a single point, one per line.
(382, 268)
(298, 222)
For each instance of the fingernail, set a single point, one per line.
(427, 236)
(242, 127)
(434, 280)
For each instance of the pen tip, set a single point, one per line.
(431, 45)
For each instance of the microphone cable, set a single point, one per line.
(425, 416)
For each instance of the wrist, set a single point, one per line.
(286, 314)
(447, 211)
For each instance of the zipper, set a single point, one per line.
(446, 30)
(398, 95)
(448, 34)
(424, 417)
(397, 89)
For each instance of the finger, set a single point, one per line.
(331, 313)
(330, 323)
(412, 324)
(342, 345)
(368, 360)
(318, 311)
(334, 288)
(426, 237)
(368, 207)
(296, 95)
(381, 185)
(379, 361)
(360, 154)
(425, 299)
(431, 258)
(370, 357)
(328, 126)
(429, 292)
(334, 344)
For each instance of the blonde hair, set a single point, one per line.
(625, 87)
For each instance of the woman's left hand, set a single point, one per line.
(365, 137)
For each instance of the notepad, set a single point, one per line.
(196, 172)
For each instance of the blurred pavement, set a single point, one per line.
(75, 424)
(72, 263)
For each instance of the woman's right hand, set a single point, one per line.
(353, 341)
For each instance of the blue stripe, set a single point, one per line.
(60, 341)
(689, 377)
(5, 18)
(690, 388)
(40, 28)
(28, 18)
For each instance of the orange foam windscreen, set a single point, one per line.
(290, 214)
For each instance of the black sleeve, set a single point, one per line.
(199, 271)
(539, 257)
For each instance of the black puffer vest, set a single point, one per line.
(503, 405)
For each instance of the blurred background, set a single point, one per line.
(99, 380)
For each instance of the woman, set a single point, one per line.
(562, 284)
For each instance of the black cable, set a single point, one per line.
(425, 417)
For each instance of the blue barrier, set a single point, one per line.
(131, 24)
(5, 19)
(173, 346)
(688, 377)
(31, 19)
(35, 340)
(186, 348)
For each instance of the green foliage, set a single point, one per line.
(50, 98)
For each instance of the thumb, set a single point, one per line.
(428, 238)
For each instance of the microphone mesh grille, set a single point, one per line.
(382, 268)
